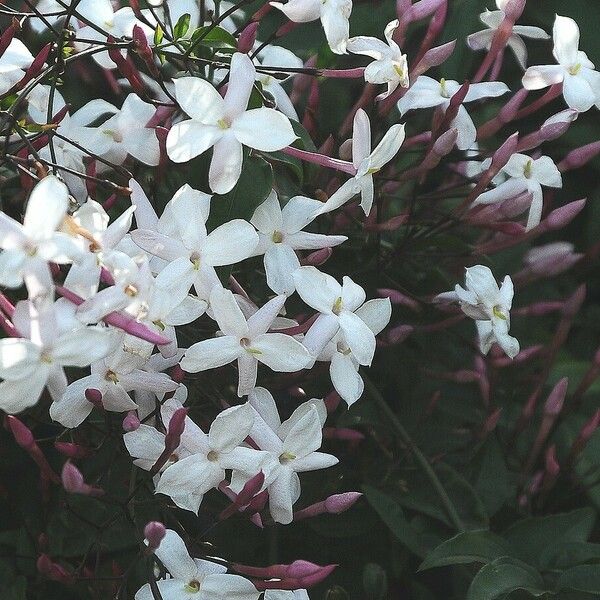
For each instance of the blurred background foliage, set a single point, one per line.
(398, 542)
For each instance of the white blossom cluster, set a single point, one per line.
(106, 299)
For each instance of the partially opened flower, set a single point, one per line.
(194, 578)
(427, 93)
(293, 447)
(525, 175)
(338, 305)
(280, 234)
(482, 40)
(489, 305)
(367, 163)
(581, 83)
(225, 124)
(334, 15)
(187, 479)
(343, 369)
(389, 65)
(246, 341)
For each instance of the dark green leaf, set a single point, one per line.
(530, 538)
(570, 554)
(215, 37)
(502, 576)
(481, 546)
(393, 516)
(584, 578)
(158, 35)
(375, 582)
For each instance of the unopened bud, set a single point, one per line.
(556, 398)
(154, 532)
(21, 433)
(318, 257)
(247, 37)
(94, 396)
(72, 450)
(131, 422)
(339, 503)
(73, 482)
(562, 216)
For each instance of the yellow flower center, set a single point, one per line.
(192, 587)
(528, 168)
(277, 237)
(286, 457)
(337, 306)
(223, 124)
(574, 70)
(499, 313)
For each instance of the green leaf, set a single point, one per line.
(502, 576)
(570, 554)
(254, 185)
(182, 26)
(375, 582)
(530, 538)
(584, 578)
(392, 515)
(215, 37)
(481, 546)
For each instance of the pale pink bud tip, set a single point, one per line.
(247, 37)
(131, 422)
(154, 532)
(73, 482)
(21, 432)
(339, 503)
(555, 400)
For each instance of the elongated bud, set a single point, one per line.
(154, 532)
(398, 334)
(248, 37)
(556, 399)
(552, 466)
(8, 34)
(562, 216)
(491, 422)
(126, 67)
(435, 57)
(334, 505)
(72, 450)
(586, 432)
(579, 157)
(552, 128)
(176, 427)
(397, 297)
(21, 433)
(52, 570)
(142, 48)
(73, 482)
(131, 422)
(318, 257)
(36, 66)
(343, 434)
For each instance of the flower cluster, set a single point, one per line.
(126, 287)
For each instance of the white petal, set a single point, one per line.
(210, 354)
(361, 137)
(46, 208)
(173, 554)
(19, 358)
(280, 263)
(578, 93)
(239, 87)
(84, 346)
(388, 147)
(227, 313)
(300, 11)
(247, 373)
(358, 336)
(320, 333)
(19, 394)
(226, 164)
(353, 295)
(199, 99)
(299, 212)
(566, 40)
(542, 76)
(229, 243)
(345, 378)
(263, 129)
(334, 18)
(281, 352)
(317, 289)
(376, 314)
(261, 321)
(305, 436)
(230, 428)
(283, 493)
(467, 132)
(188, 139)
(267, 218)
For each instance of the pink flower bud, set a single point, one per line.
(551, 259)
(52, 570)
(556, 399)
(7, 36)
(94, 396)
(338, 503)
(563, 215)
(579, 157)
(36, 66)
(514, 9)
(552, 466)
(343, 433)
(398, 334)
(72, 450)
(73, 482)
(397, 297)
(318, 257)
(434, 58)
(131, 422)
(21, 433)
(176, 427)
(332, 401)
(154, 532)
(248, 37)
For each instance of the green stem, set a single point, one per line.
(419, 456)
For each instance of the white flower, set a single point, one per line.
(280, 234)
(187, 479)
(337, 305)
(427, 93)
(53, 339)
(482, 40)
(15, 59)
(286, 595)
(49, 8)
(489, 305)
(276, 56)
(194, 578)
(114, 377)
(247, 341)
(334, 15)
(127, 133)
(225, 124)
(367, 162)
(581, 83)
(180, 238)
(38, 100)
(293, 447)
(344, 366)
(117, 23)
(28, 248)
(389, 66)
(525, 175)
